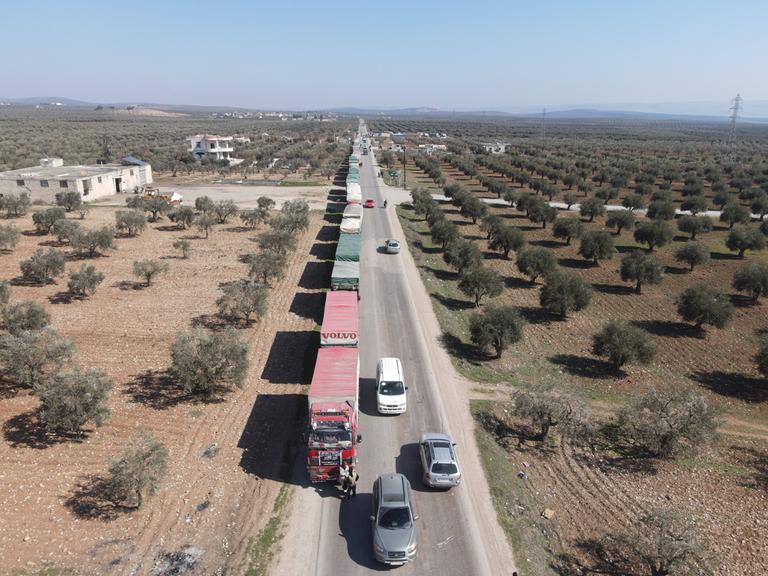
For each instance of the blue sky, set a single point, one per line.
(317, 54)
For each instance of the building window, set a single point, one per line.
(99, 179)
(213, 145)
(63, 184)
(19, 182)
(86, 187)
(131, 172)
(43, 183)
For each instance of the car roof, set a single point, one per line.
(393, 489)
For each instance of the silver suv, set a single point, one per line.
(394, 533)
(438, 460)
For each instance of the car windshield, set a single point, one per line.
(393, 243)
(391, 389)
(441, 468)
(330, 436)
(394, 518)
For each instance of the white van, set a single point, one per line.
(390, 386)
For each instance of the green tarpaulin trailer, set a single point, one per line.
(345, 275)
(348, 249)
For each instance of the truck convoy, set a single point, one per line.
(333, 435)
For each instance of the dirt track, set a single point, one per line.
(214, 499)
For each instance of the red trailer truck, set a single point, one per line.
(333, 413)
(339, 319)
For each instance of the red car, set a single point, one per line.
(369, 203)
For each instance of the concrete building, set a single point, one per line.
(430, 149)
(213, 147)
(52, 176)
(495, 147)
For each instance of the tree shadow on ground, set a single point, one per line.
(9, 388)
(575, 263)
(515, 282)
(427, 250)
(215, 322)
(669, 328)
(239, 229)
(733, 384)
(271, 440)
(755, 460)
(510, 434)
(129, 285)
(594, 556)
(453, 303)
(675, 270)
(63, 297)
(158, 390)
(308, 305)
(291, 358)
(173, 228)
(454, 346)
(725, 256)
(27, 430)
(629, 249)
(441, 274)
(537, 315)
(742, 301)
(490, 255)
(89, 500)
(21, 281)
(617, 289)
(546, 243)
(586, 367)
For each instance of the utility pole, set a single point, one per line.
(735, 109)
(403, 165)
(543, 124)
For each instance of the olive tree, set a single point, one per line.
(762, 355)
(596, 245)
(5, 293)
(130, 222)
(622, 343)
(444, 232)
(695, 204)
(661, 210)
(45, 219)
(203, 362)
(753, 279)
(535, 262)
(462, 254)
(224, 209)
(564, 292)
(479, 281)
(693, 254)
(490, 223)
(65, 229)
(204, 204)
(70, 399)
(42, 267)
(666, 423)
(184, 246)
(205, 222)
(83, 282)
(633, 202)
(138, 471)
(277, 240)
(541, 213)
(547, 410)
(156, 206)
(702, 305)
(642, 269)
(592, 207)
(695, 225)
(655, 234)
(33, 355)
(620, 219)
(507, 238)
(243, 298)
(496, 327)
(567, 228)
(734, 213)
(92, 241)
(267, 265)
(9, 236)
(16, 206)
(743, 238)
(182, 216)
(69, 200)
(149, 269)
(24, 316)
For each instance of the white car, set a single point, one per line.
(392, 246)
(390, 387)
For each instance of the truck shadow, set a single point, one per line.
(367, 391)
(292, 357)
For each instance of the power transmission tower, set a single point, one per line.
(735, 109)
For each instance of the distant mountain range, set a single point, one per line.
(705, 111)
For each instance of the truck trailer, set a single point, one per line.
(345, 275)
(333, 437)
(340, 327)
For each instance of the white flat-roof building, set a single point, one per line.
(213, 147)
(52, 176)
(495, 147)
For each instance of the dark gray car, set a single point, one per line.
(394, 533)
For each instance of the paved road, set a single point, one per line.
(328, 536)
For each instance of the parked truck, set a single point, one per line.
(340, 326)
(345, 275)
(333, 436)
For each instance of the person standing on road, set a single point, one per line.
(344, 476)
(352, 483)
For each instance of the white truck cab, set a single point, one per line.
(390, 386)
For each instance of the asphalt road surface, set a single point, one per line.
(328, 536)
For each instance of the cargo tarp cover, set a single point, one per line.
(348, 249)
(353, 211)
(339, 320)
(350, 225)
(345, 275)
(335, 377)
